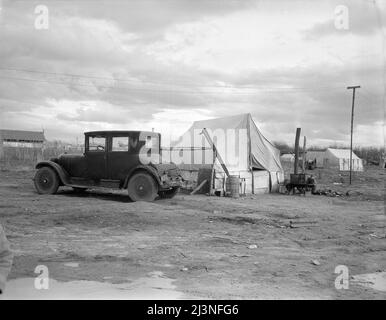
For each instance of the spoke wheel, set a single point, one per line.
(142, 187)
(46, 181)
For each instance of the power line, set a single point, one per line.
(155, 90)
(67, 74)
(369, 96)
(92, 86)
(141, 82)
(19, 101)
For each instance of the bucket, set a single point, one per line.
(233, 186)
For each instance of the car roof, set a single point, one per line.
(105, 132)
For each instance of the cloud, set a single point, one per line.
(364, 18)
(162, 65)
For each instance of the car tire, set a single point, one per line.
(46, 181)
(142, 187)
(168, 194)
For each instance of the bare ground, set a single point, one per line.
(201, 242)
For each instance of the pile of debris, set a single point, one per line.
(329, 193)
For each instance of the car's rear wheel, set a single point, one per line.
(168, 194)
(46, 181)
(142, 187)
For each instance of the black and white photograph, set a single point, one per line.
(211, 151)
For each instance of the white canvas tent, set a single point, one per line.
(245, 151)
(336, 158)
(287, 157)
(341, 158)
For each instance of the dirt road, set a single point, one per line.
(251, 248)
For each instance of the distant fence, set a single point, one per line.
(14, 157)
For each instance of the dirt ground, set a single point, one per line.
(255, 247)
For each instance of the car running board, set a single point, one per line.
(88, 183)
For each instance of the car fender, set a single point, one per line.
(63, 175)
(152, 171)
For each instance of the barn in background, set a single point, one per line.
(18, 147)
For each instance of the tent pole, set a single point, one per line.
(209, 139)
(212, 178)
(249, 152)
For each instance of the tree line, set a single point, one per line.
(371, 155)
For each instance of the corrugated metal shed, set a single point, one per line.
(21, 136)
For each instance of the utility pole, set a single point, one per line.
(297, 137)
(352, 122)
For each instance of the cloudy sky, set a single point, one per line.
(164, 64)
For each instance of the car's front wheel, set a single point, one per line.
(142, 187)
(46, 181)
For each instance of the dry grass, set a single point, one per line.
(21, 159)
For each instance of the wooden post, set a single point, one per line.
(212, 182)
(304, 155)
(1, 146)
(199, 187)
(249, 152)
(1, 149)
(220, 160)
(297, 150)
(352, 123)
(212, 175)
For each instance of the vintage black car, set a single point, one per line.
(129, 160)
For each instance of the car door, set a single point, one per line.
(95, 153)
(120, 156)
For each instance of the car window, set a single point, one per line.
(150, 142)
(96, 143)
(120, 144)
(133, 144)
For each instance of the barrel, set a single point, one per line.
(233, 186)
